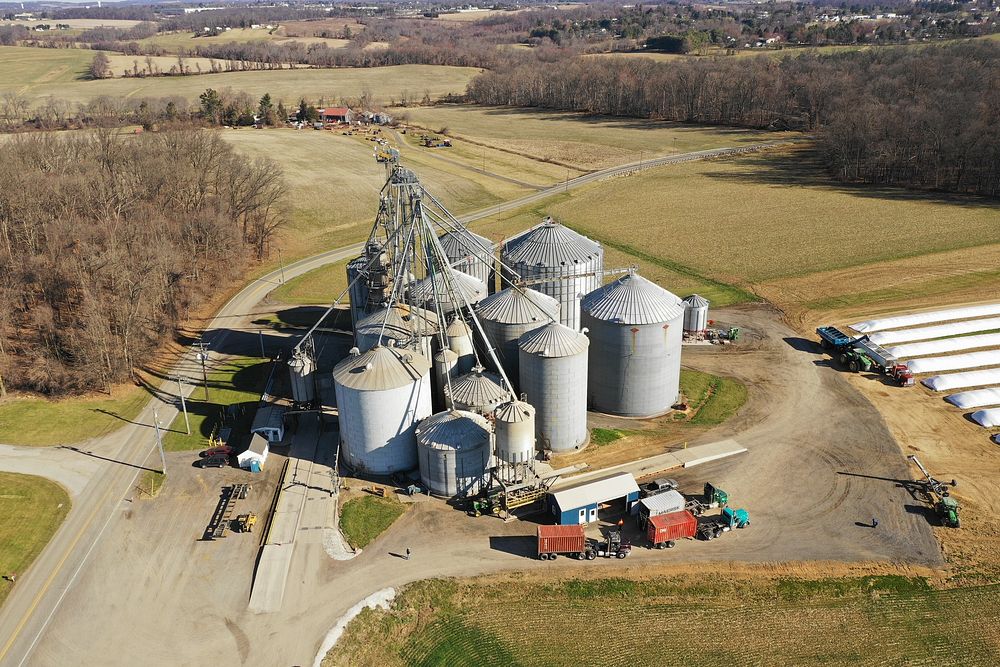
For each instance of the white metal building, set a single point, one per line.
(255, 455)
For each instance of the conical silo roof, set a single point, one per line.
(473, 289)
(515, 412)
(381, 368)
(453, 429)
(553, 340)
(458, 327)
(462, 243)
(516, 305)
(549, 244)
(477, 389)
(401, 322)
(632, 299)
(696, 301)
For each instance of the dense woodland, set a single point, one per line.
(108, 239)
(926, 118)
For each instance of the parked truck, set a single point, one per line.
(664, 530)
(861, 354)
(728, 520)
(711, 498)
(566, 540)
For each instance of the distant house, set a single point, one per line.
(256, 454)
(336, 115)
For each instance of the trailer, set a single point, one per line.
(861, 354)
(566, 540)
(832, 338)
(663, 530)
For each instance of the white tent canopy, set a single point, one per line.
(947, 345)
(963, 380)
(939, 331)
(977, 398)
(954, 362)
(915, 319)
(987, 418)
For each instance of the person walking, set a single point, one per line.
(407, 553)
(874, 522)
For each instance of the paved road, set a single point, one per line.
(124, 454)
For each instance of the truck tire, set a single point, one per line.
(591, 555)
(580, 556)
(670, 544)
(853, 366)
(661, 545)
(842, 359)
(621, 554)
(824, 343)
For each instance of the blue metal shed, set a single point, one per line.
(579, 504)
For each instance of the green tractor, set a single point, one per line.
(486, 504)
(947, 509)
(856, 361)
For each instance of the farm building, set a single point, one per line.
(270, 423)
(336, 115)
(256, 454)
(580, 504)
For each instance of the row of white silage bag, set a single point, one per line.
(977, 398)
(964, 380)
(915, 319)
(987, 418)
(938, 331)
(954, 362)
(929, 347)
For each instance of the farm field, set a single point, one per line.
(120, 65)
(76, 24)
(25, 66)
(32, 509)
(186, 41)
(713, 619)
(584, 143)
(384, 83)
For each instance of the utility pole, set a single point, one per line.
(281, 265)
(203, 357)
(159, 443)
(180, 392)
(260, 332)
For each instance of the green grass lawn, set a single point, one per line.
(699, 620)
(363, 519)
(26, 65)
(41, 422)
(319, 286)
(237, 380)
(32, 509)
(714, 399)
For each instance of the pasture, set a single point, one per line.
(33, 421)
(23, 67)
(698, 619)
(185, 41)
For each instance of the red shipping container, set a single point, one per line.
(561, 539)
(665, 528)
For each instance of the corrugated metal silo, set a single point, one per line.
(508, 315)
(470, 253)
(460, 341)
(515, 432)
(300, 370)
(454, 451)
(358, 292)
(381, 395)
(635, 330)
(445, 367)
(553, 366)
(423, 291)
(396, 326)
(550, 250)
(695, 313)
(477, 391)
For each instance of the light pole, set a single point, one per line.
(180, 392)
(260, 332)
(281, 265)
(159, 443)
(203, 357)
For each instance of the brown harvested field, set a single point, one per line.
(122, 65)
(187, 41)
(573, 140)
(316, 27)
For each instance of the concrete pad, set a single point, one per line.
(69, 468)
(711, 452)
(269, 581)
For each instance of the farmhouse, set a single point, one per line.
(336, 115)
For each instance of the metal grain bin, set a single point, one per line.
(635, 330)
(477, 391)
(695, 313)
(397, 326)
(454, 451)
(460, 341)
(426, 291)
(553, 365)
(300, 371)
(445, 368)
(515, 432)
(381, 395)
(470, 253)
(358, 291)
(550, 250)
(508, 315)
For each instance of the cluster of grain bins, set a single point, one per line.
(464, 379)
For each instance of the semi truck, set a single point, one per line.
(663, 530)
(861, 354)
(724, 522)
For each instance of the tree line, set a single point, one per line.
(107, 240)
(921, 117)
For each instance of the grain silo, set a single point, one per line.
(381, 395)
(508, 315)
(300, 370)
(553, 367)
(460, 341)
(470, 253)
(454, 452)
(358, 288)
(397, 327)
(550, 250)
(477, 391)
(445, 371)
(515, 433)
(635, 329)
(695, 314)
(428, 289)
